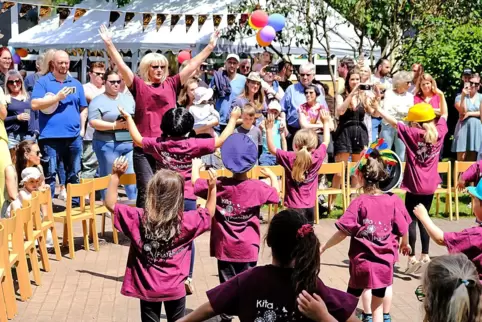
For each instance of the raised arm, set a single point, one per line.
(200, 58)
(444, 111)
(269, 134)
(211, 200)
(131, 126)
(235, 114)
(326, 118)
(341, 108)
(272, 177)
(118, 169)
(386, 116)
(433, 231)
(114, 54)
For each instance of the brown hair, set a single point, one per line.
(428, 78)
(373, 171)
(97, 64)
(258, 98)
(249, 109)
(183, 99)
(305, 141)
(23, 148)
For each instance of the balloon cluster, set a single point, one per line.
(17, 54)
(183, 56)
(266, 26)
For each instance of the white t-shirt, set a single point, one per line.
(92, 91)
(398, 105)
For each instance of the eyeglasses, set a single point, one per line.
(99, 74)
(245, 67)
(419, 293)
(474, 84)
(305, 75)
(157, 67)
(309, 93)
(7, 59)
(114, 82)
(14, 82)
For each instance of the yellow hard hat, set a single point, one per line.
(421, 112)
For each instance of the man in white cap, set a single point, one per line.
(227, 85)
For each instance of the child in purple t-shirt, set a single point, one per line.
(161, 237)
(287, 290)
(235, 231)
(374, 221)
(423, 139)
(467, 241)
(471, 175)
(301, 165)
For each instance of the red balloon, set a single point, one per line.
(183, 56)
(259, 19)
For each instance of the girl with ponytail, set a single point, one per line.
(293, 273)
(301, 165)
(423, 140)
(374, 221)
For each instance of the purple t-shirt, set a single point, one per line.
(421, 174)
(301, 195)
(374, 223)
(163, 279)
(468, 242)
(473, 173)
(265, 293)
(152, 101)
(235, 232)
(176, 154)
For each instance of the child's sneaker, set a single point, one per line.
(387, 317)
(366, 317)
(188, 285)
(412, 266)
(63, 194)
(423, 265)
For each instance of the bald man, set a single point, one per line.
(60, 99)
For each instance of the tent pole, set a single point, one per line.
(134, 60)
(84, 67)
(14, 19)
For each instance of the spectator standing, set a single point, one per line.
(186, 97)
(31, 79)
(285, 70)
(254, 94)
(92, 89)
(60, 99)
(382, 74)
(245, 66)
(263, 59)
(346, 64)
(6, 64)
(418, 71)
(426, 91)
(271, 86)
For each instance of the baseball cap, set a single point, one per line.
(30, 173)
(234, 56)
(467, 71)
(239, 153)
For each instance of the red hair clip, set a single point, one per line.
(304, 230)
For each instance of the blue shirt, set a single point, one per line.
(276, 137)
(294, 97)
(223, 104)
(64, 122)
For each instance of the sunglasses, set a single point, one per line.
(245, 67)
(37, 153)
(309, 93)
(157, 67)
(114, 82)
(474, 84)
(14, 82)
(305, 75)
(99, 74)
(419, 293)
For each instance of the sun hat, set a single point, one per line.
(239, 153)
(233, 56)
(476, 191)
(421, 112)
(52, 108)
(254, 76)
(202, 94)
(30, 173)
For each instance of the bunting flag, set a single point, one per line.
(63, 14)
(146, 18)
(24, 9)
(217, 20)
(160, 18)
(244, 19)
(114, 15)
(174, 20)
(189, 22)
(79, 13)
(231, 20)
(201, 19)
(128, 18)
(44, 12)
(6, 6)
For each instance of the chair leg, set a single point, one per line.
(450, 206)
(65, 236)
(85, 232)
(23, 278)
(44, 255)
(115, 236)
(95, 237)
(437, 204)
(102, 233)
(456, 204)
(70, 233)
(9, 294)
(317, 211)
(55, 238)
(32, 254)
(3, 307)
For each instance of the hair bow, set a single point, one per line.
(385, 154)
(304, 230)
(467, 283)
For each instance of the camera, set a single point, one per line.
(272, 69)
(207, 67)
(365, 87)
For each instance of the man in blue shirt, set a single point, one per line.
(60, 99)
(294, 97)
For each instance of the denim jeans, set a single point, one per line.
(267, 159)
(90, 164)
(144, 167)
(375, 126)
(106, 153)
(69, 150)
(15, 138)
(389, 134)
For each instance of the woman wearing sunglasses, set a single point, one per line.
(111, 138)
(22, 123)
(154, 92)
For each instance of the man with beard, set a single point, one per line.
(60, 98)
(285, 70)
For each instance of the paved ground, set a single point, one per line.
(88, 288)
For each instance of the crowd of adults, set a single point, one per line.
(76, 130)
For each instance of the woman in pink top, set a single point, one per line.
(423, 139)
(426, 91)
(161, 237)
(374, 221)
(155, 93)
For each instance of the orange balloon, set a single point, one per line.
(261, 42)
(22, 52)
(251, 24)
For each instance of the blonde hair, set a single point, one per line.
(428, 78)
(23, 91)
(431, 133)
(46, 66)
(305, 141)
(249, 109)
(146, 62)
(452, 290)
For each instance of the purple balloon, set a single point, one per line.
(277, 21)
(267, 34)
(16, 59)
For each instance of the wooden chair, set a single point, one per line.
(16, 254)
(85, 214)
(350, 166)
(48, 222)
(459, 168)
(331, 168)
(279, 171)
(445, 167)
(24, 217)
(126, 179)
(37, 233)
(8, 302)
(99, 185)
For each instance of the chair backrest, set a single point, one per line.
(205, 175)
(80, 190)
(444, 167)
(332, 168)
(278, 170)
(35, 209)
(24, 214)
(99, 183)
(13, 229)
(460, 167)
(3, 247)
(127, 178)
(45, 200)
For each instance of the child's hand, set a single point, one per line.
(461, 184)
(420, 211)
(197, 164)
(120, 166)
(322, 249)
(405, 249)
(313, 307)
(325, 116)
(124, 113)
(236, 113)
(266, 172)
(213, 176)
(270, 122)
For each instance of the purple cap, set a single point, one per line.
(239, 153)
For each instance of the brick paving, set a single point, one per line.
(88, 287)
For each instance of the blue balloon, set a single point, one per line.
(277, 21)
